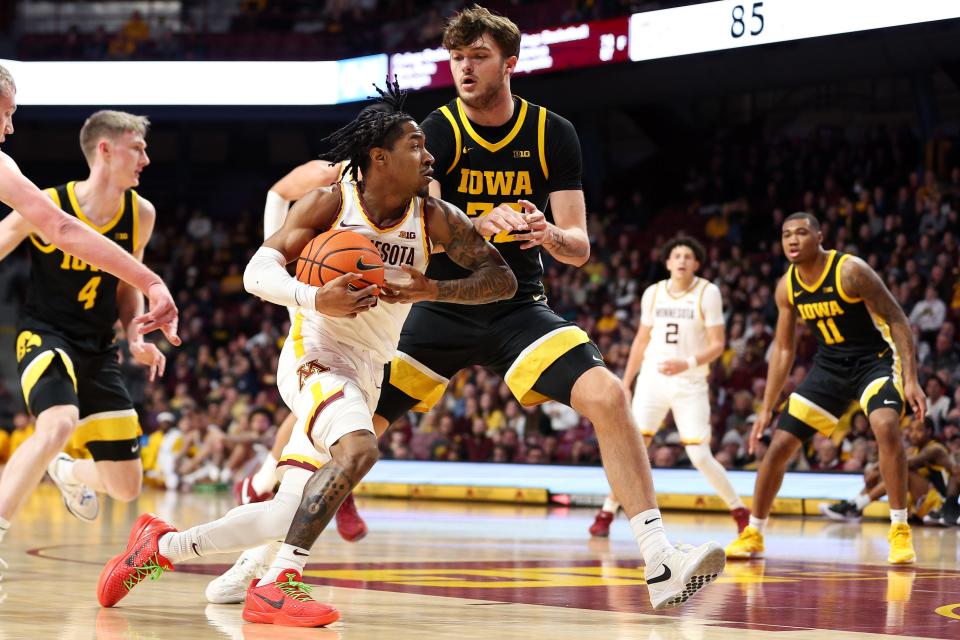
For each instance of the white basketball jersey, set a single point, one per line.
(679, 323)
(405, 243)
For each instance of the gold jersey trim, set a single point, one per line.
(135, 205)
(376, 227)
(457, 140)
(541, 141)
(37, 242)
(493, 147)
(823, 275)
(71, 193)
(843, 294)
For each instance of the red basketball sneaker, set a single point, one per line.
(742, 518)
(601, 524)
(244, 492)
(141, 560)
(350, 525)
(286, 603)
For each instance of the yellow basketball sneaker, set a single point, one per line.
(901, 544)
(749, 544)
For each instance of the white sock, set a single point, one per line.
(241, 528)
(647, 528)
(288, 557)
(861, 501)
(701, 458)
(4, 527)
(898, 516)
(265, 479)
(760, 524)
(611, 506)
(262, 555)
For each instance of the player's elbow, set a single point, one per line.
(509, 283)
(251, 281)
(580, 260)
(62, 232)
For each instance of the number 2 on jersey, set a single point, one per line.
(88, 295)
(673, 333)
(831, 334)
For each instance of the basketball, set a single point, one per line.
(336, 252)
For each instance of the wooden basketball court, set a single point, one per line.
(450, 570)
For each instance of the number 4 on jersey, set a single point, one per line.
(88, 295)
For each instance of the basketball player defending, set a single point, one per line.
(331, 367)
(864, 352)
(681, 332)
(66, 347)
(501, 159)
(75, 238)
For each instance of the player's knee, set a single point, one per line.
(604, 399)
(358, 454)
(127, 489)
(887, 433)
(54, 428)
(699, 454)
(781, 450)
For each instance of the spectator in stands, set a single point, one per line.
(929, 313)
(938, 403)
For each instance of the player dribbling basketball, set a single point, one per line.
(332, 362)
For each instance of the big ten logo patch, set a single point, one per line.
(308, 370)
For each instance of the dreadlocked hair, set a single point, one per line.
(375, 126)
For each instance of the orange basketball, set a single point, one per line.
(336, 252)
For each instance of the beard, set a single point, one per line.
(483, 100)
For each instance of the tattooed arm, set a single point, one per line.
(491, 280)
(860, 281)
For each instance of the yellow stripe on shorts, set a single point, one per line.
(811, 414)
(534, 360)
(31, 375)
(106, 426)
(417, 381)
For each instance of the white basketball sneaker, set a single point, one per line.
(231, 587)
(77, 497)
(680, 572)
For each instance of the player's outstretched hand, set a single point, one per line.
(408, 287)
(764, 416)
(536, 222)
(149, 356)
(339, 298)
(501, 218)
(916, 398)
(163, 314)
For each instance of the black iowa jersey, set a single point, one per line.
(843, 326)
(537, 152)
(68, 295)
